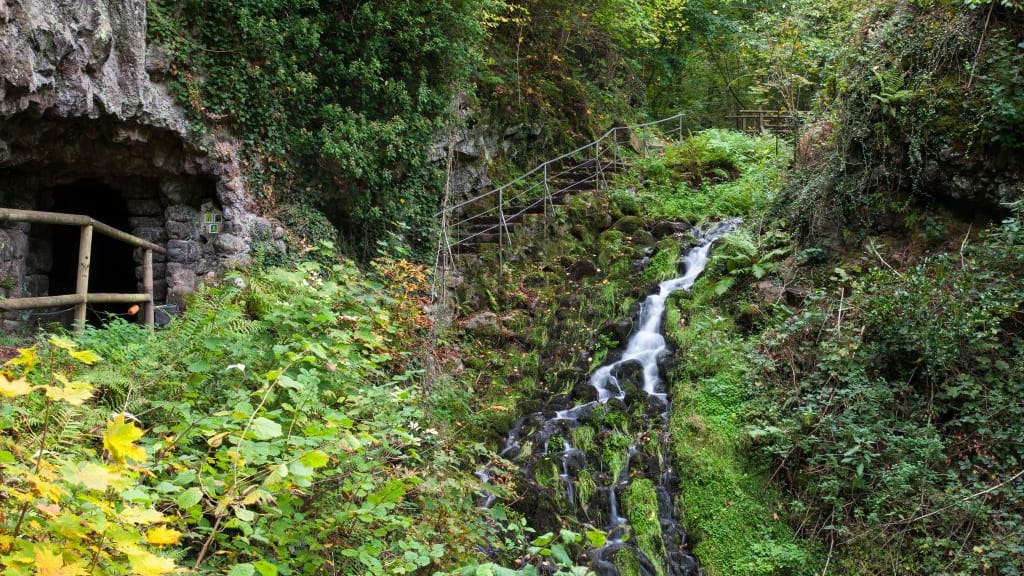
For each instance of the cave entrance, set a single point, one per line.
(112, 268)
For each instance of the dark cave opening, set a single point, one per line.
(112, 267)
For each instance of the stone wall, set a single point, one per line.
(81, 100)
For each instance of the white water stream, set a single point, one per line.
(646, 346)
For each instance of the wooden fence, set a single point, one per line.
(766, 121)
(82, 298)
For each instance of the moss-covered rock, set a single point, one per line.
(628, 224)
(640, 502)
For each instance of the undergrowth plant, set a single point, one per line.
(892, 412)
(278, 427)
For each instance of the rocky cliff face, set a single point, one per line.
(87, 126)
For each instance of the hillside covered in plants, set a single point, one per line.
(831, 382)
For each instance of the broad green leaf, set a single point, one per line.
(189, 498)
(287, 382)
(596, 538)
(265, 568)
(244, 514)
(543, 540)
(558, 553)
(246, 569)
(315, 459)
(349, 443)
(265, 429)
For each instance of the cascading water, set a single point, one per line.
(536, 433)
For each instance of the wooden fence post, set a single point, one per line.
(147, 285)
(82, 287)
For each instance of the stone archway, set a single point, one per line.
(83, 112)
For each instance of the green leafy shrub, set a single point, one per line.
(892, 408)
(279, 426)
(336, 102)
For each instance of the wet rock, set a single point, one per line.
(617, 330)
(643, 238)
(582, 269)
(630, 376)
(795, 295)
(582, 392)
(667, 228)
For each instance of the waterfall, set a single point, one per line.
(647, 347)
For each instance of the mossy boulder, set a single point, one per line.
(628, 224)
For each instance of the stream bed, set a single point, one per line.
(603, 463)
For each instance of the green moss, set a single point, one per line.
(583, 438)
(641, 505)
(627, 563)
(616, 450)
(729, 508)
(546, 474)
(586, 487)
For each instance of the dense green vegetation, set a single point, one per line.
(846, 377)
(336, 102)
(280, 427)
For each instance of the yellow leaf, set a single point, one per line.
(135, 515)
(85, 356)
(119, 439)
(18, 387)
(147, 564)
(92, 475)
(26, 357)
(163, 536)
(63, 343)
(50, 563)
(48, 490)
(75, 393)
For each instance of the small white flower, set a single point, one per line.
(239, 367)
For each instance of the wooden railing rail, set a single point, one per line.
(772, 121)
(82, 298)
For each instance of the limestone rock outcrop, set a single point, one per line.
(86, 124)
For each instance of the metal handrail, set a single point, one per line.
(611, 132)
(514, 199)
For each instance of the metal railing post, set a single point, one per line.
(82, 284)
(548, 202)
(502, 231)
(615, 146)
